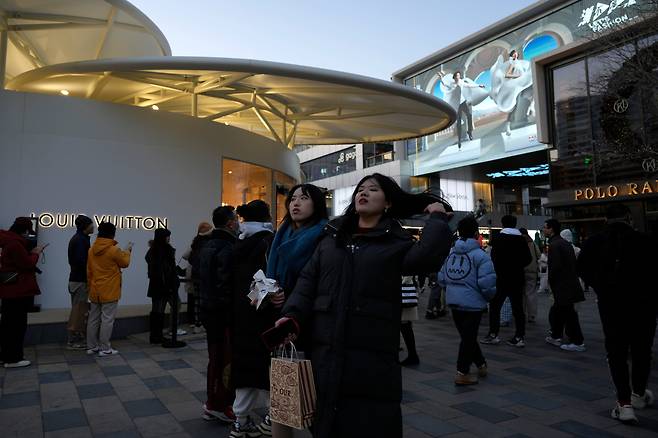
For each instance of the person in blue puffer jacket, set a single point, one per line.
(470, 281)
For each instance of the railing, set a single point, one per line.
(522, 209)
(379, 159)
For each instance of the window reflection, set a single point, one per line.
(243, 182)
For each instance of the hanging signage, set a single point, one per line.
(611, 191)
(67, 220)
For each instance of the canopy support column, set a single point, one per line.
(3, 51)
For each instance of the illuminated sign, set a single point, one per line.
(67, 220)
(347, 156)
(542, 169)
(616, 190)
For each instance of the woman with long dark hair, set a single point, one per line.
(163, 281)
(348, 298)
(293, 246)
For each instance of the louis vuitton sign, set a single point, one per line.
(630, 189)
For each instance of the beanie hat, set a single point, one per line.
(107, 230)
(82, 222)
(161, 234)
(255, 211)
(204, 229)
(567, 235)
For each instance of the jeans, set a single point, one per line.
(628, 330)
(13, 325)
(101, 324)
(564, 318)
(516, 299)
(467, 324)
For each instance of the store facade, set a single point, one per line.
(530, 129)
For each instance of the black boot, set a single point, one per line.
(156, 321)
(410, 341)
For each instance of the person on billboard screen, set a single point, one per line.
(459, 94)
(508, 80)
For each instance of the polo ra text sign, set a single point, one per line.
(67, 220)
(616, 190)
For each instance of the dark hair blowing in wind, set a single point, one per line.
(403, 204)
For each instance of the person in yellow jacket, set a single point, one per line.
(104, 266)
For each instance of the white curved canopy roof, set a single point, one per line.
(288, 103)
(42, 33)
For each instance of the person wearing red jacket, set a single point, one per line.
(16, 293)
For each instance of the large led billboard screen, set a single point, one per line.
(491, 87)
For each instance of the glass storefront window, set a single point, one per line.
(340, 162)
(283, 184)
(243, 182)
(377, 153)
(572, 127)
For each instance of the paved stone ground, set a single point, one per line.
(149, 391)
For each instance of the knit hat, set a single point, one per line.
(204, 229)
(82, 222)
(161, 234)
(567, 235)
(255, 211)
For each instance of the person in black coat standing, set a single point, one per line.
(163, 281)
(564, 282)
(619, 264)
(78, 252)
(510, 256)
(250, 359)
(214, 303)
(348, 296)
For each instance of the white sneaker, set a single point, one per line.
(109, 352)
(94, 350)
(625, 414)
(19, 364)
(642, 401)
(179, 332)
(573, 347)
(556, 342)
(209, 415)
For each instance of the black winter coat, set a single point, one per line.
(163, 279)
(510, 255)
(250, 360)
(562, 275)
(348, 297)
(619, 264)
(215, 278)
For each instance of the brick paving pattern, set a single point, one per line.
(148, 391)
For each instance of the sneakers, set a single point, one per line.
(248, 429)
(110, 352)
(573, 347)
(556, 342)
(483, 371)
(265, 426)
(94, 350)
(179, 332)
(642, 401)
(490, 339)
(19, 364)
(462, 379)
(76, 346)
(625, 414)
(516, 342)
(227, 416)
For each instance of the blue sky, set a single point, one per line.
(368, 37)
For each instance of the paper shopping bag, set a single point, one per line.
(292, 392)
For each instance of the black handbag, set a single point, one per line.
(8, 278)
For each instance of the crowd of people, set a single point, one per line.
(345, 294)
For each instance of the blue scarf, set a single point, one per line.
(290, 251)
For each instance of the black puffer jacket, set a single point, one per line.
(215, 279)
(163, 280)
(250, 360)
(510, 255)
(348, 297)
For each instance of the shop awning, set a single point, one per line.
(41, 33)
(290, 104)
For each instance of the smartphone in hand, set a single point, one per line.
(276, 336)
